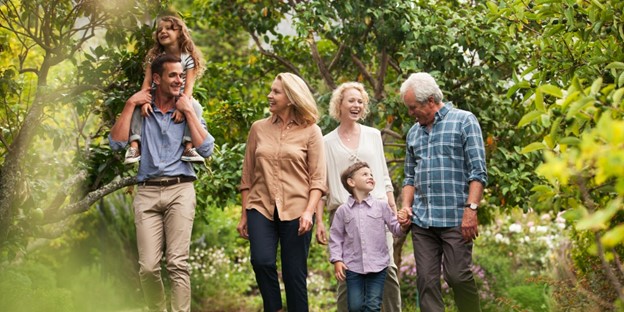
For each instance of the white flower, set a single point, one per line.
(498, 237)
(515, 228)
(542, 229)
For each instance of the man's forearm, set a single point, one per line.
(408, 196)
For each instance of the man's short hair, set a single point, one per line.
(159, 62)
(348, 173)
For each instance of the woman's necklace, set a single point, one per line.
(348, 136)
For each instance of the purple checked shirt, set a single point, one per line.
(357, 235)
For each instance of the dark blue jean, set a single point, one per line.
(365, 291)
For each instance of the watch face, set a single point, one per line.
(473, 206)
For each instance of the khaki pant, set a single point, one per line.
(392, 291)
(164, 217)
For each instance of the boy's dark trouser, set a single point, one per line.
(432, 247)
(264, 235)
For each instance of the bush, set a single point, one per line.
(31, 287)
(517, 252)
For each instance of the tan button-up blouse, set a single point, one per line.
(281, 167)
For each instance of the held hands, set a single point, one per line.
(405, 216)
(339, 270)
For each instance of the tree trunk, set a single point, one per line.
(11, 177)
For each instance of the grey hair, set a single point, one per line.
(424, 86)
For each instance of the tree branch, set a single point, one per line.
(608, 270)
(336, 58)
(391, 133)
(363, 70)
(60, 197)
(280, 59)
(319, 63)
(84, 204)
(381, 74)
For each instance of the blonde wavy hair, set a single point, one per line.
(338, 96)
(185, 43)
(300, 96)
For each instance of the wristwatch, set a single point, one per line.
(472, 206)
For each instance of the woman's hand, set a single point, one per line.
(305, 222)
(321, 233)
(242, 226)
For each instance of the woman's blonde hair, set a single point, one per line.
(185, 43)
(338, 96)
(300, 96)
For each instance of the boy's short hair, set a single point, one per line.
(348, 173)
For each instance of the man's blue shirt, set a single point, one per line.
(162, 147)
(440, 163)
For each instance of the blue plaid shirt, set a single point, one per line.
(440, 163)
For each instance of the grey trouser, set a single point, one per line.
(437, 249)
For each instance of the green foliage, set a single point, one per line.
(517, 252)
(573, 90)
(218, 186)
(32, 287)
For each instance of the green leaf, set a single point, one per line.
(598, 4)
(621, 80)
(492, 7)
(616, 65)
(577, 106)
(541, 188)
(595, 88)
(574, 213)
(528, 118)
(552, 90)
(535, 146)
(539, 100)
(599, 220)
(613, 237)
(554, 129)
(574, 141)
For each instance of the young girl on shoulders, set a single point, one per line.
(171, 37)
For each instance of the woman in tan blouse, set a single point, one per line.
(284, 176)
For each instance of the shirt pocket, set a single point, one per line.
(350, 224)
(375, 223)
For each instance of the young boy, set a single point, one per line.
(357, 240)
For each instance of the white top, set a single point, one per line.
(339, 157)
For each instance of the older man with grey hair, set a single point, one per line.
(445, 175)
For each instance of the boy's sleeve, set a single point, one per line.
(336, 237)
